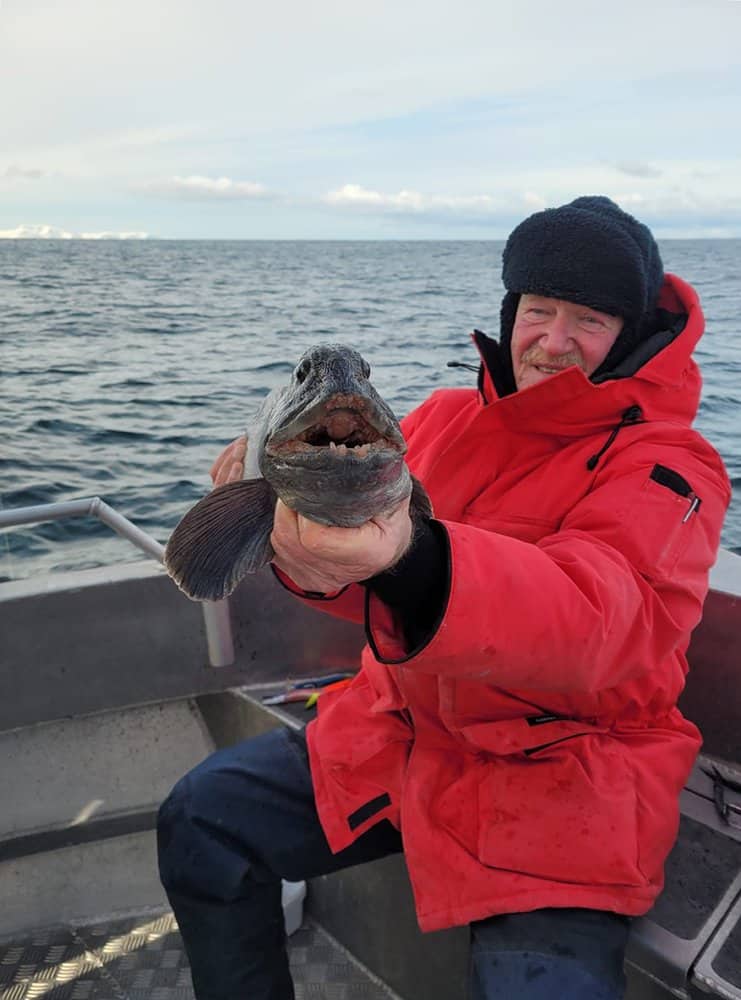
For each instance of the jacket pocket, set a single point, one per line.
(566, 813)
(660, 521)
(351, 730)
(527, 735)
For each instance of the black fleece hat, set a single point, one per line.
(591, 252)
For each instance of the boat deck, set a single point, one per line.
(141, 957)
(119, 689)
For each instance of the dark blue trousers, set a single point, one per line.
(245, 818)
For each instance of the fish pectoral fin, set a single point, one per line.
(420, 504)
(222, 539)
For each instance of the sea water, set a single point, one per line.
(127, 366)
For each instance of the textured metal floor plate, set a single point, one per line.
(142, 958)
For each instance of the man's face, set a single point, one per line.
(551, 334)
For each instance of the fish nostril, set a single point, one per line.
(302, 371)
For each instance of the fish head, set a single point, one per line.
(327, 445)
(332, 448)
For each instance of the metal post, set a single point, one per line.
(215, 613)
(218, 632)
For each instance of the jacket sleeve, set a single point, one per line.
(613, 592)
(347, 603)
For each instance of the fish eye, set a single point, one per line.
(302, 371)
(366, 369)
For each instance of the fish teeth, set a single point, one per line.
(359, 451)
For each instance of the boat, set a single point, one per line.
(113, 684)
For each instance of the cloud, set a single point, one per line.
(534, 201)
(644, 170)
(198, 188)
(44, 232)
(355, 196)
(152, 136)
(14, 172)
(671, 200)
(192, 68)
(111, 236)
(413, 202)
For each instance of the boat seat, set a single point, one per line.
(693, 933)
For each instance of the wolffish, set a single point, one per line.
(327, 445)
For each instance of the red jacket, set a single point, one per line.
(531, 752)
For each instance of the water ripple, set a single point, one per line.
(128, 366)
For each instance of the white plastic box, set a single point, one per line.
(293, 896)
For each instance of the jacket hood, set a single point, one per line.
(659, 376)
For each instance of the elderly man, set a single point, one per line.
(513, 728)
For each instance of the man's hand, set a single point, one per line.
(323, 559)
(229, 466)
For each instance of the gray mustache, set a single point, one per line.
(534, 356)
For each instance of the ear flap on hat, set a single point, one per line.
(627, 341)
(506, 376)
(507, 314)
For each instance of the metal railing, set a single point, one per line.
(215, 613)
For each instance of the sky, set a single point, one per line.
(396, 119)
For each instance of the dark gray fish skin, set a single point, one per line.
(330, 399)
(327, 444)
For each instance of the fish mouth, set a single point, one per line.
(345, 426)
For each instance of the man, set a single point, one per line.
(515, 718)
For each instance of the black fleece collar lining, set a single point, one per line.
(497, 362)
(669, 326)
